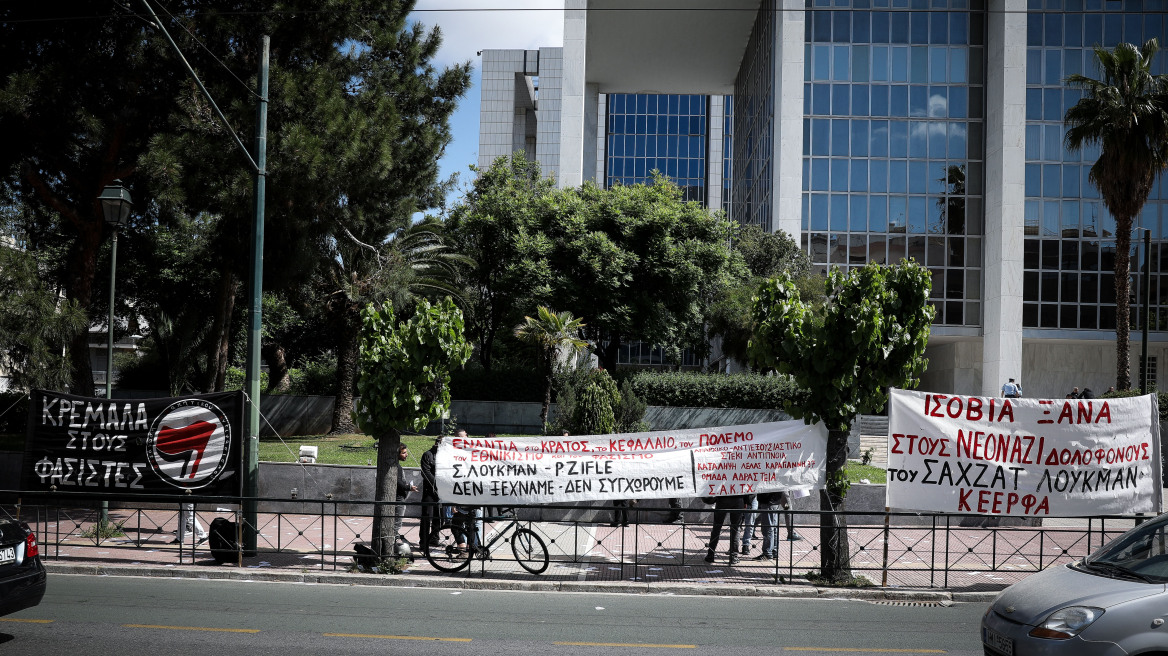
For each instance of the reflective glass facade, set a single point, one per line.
(1070, 236)
(754, 129)
(668, 133)
(893, 141)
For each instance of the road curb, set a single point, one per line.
(467, 583)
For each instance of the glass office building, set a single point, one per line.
(880, 130)
(1070, 235)
(892, 144)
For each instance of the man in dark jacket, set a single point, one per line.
(404, 487)
(431, 509)
(733, 506)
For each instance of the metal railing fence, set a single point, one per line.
(901, 549)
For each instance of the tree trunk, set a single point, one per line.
(383, 513)
(486, 344)
(1122, 305)
(835, 558)
(548, 380)
(278, 379)
(81, 270)
(348, 345)
(220, 338)
(608, 353)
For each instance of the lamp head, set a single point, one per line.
(116, 204)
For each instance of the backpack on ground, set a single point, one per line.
(222, 542)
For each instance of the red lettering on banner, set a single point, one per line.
(1004, 503)
(963, 501)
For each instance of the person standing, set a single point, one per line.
(748, 522)
(404, 488)
(768, 507)
(188, 521)
(723, 506)
(1012, 390)
(675, 514)
(431, 506)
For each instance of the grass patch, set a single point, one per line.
(103, 530)
(349, 449)
(857, 472)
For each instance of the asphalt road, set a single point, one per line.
(129, 616)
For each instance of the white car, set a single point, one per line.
(1113, 602)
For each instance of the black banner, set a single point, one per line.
(77, 443)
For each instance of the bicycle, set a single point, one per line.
(528, 548)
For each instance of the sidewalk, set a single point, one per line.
(646, 558)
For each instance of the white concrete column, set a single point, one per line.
(1005, 164)
(601, 138)
(715, 152)
(787, 195)
(591, 126)
(572, 109)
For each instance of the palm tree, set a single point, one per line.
(1124, 113)
(413, 263)
(549, 333)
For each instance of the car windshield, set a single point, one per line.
(1141, 553)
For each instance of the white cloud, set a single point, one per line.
(472, 25)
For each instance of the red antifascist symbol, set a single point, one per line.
(189, 443)
(181, 441)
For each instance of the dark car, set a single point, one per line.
(22, 576)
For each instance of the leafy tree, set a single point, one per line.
(869, 337)
(638, 263)
(357, 121)
(1124, 114)
(764, 255)
(404, 384)
(34, 323)
(548, 333)
(498, 225)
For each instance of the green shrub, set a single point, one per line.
(316, 377)
(588, 402)
(236, 377)
(699, 390)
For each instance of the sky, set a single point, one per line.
(469, 26)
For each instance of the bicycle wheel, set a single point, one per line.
(445, 556)
(530, 551)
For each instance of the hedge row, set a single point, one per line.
(698, 390)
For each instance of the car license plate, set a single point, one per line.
(7, 555)
(999, 642)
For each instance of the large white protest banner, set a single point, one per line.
(720, 461)
(1023, 457)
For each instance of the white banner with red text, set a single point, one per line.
(1023, 457)
(721, 461)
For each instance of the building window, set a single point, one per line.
(1151, 371)
(664, 133)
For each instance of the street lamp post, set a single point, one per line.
(115, 205)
